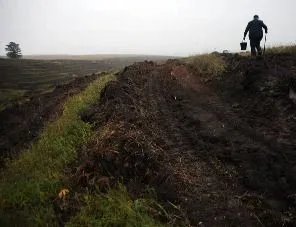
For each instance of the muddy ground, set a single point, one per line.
(22, 123)
(223, 150)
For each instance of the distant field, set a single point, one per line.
(95, 57)
(28, 77)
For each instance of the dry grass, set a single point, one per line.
(207, 66)
(290, 49)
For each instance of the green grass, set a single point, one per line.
(10, 96)
(115, 208)
(290, 49)
(30, 182)
(207, 66)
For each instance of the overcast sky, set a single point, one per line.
(162, 27)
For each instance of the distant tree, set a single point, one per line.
(13, 50)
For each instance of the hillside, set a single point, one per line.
(202, 141)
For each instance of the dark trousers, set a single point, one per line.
(255, 45)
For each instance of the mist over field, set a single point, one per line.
(166, 27)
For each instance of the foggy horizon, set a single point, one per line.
(133, 27)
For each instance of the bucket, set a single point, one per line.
(243, 45)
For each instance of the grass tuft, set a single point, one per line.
(115, 208)
(30, 183)
(207, 66)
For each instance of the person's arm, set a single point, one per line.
(265, 27)
(247, 30)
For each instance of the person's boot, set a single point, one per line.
(253, 54)
(259, 57)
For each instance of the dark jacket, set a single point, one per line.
(255, 29)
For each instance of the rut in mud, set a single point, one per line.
(224, 151)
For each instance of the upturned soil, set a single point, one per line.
(224, 151)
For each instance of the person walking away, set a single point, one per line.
(254, 28)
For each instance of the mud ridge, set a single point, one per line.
(22, 123)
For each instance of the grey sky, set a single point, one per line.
(164, 27)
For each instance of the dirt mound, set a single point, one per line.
(223, 151)
(20, 124)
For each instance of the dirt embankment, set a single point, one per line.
(224, 151)
(20, 124)
(259, 93)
